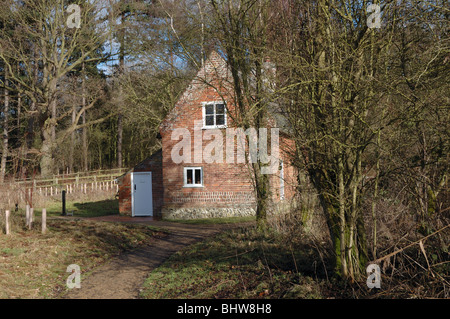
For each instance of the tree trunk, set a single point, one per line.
(46, 162)
(342, 221)
(53, 110)
(121, 36)
(119, 140)
(72, 143)
(48, 132)
(262, 195)
(85, 144)
(5, 134)
(31, 119)
(83, 105)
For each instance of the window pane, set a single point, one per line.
(189, 176)
(209, 120)
(220, 119)
(220, 109)
(209, 109)
(198, 176)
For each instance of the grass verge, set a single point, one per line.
(34, 265)
(240, 263)
(81, 208)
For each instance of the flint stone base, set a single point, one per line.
(198, 213)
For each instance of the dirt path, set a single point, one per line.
(123, 276)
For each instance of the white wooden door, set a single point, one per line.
(142, 199)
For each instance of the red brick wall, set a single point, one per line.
(290, 173)
(125, 194)
(225, 184)
(152, 164)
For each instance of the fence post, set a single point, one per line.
(64, 203)
(31, 218)
(8, 227)
(44, 220)
(27, 215)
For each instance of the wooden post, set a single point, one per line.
(27, 215)
(44, 220)
(31, 218)
(8, 228)
(64, 203)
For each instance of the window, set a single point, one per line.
(214, 115)
(193, 177)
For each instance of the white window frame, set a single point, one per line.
(193, 168)
(204, 115)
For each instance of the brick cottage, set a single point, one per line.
(182, 181)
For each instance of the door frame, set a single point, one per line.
(133, 214)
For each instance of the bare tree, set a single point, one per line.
(42, 26)
(242, 30)
(344, 95)
(5, 143)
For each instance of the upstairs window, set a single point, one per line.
(214, 115)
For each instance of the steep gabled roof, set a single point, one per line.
(214, 72)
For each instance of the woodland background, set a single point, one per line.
(368, 108)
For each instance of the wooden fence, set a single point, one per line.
(82, 182)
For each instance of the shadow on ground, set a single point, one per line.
(95, 209)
